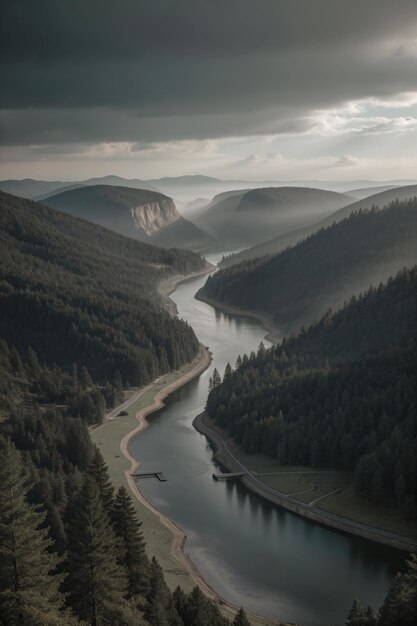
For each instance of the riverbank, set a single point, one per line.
(225, 457)
(119, 430)
(164, 539)
(274, 334)
(168, 285)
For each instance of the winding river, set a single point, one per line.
(253, 554)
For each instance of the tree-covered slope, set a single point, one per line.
(80, 294)
(301, 283)
(139, 213)
(341, 394)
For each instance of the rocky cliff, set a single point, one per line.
(138, 213)
(151, 217)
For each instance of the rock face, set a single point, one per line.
(139, 213)
(151, 217)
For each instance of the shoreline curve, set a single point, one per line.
(223, 455)
(203, 361)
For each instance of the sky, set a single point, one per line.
(236, 89)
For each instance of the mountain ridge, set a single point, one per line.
(142, 214)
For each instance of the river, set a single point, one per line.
(253, 554)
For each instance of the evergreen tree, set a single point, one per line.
(180, 601)
(96, 583)
(241, 618)
(33, 363)
(227, 372)
(161, 610)
(128, 529)
(217, 379)
(360, 616)
(98, 470)
(400, 605)
(29, 586)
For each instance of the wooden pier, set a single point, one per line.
(159, 475)
(229, 475)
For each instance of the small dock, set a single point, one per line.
(159, 475)
(229, 475)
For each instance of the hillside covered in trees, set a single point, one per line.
(300, 284)
(80, 318)
(339, 395)
(82, 296)
(379, 198)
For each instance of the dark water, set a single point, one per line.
(252, 553)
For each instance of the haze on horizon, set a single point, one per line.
(244, 89)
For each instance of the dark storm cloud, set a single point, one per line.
(96, 70)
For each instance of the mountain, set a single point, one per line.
(114, 181)
(77, 293)
(339, 395)
(29, 188)
(298, 285)
(138, 213)
(248, 216)
(275, 245)
(42, 189)
(365, 192)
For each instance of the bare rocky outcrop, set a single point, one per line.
(152, 216)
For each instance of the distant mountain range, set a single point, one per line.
(250, 216)
(142, 214)
(298, 285)
(275, 245)
(42, 189)
(185, 189)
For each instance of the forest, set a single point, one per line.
(299, 285)
(340, 394)
(74, 297)
(83, 296)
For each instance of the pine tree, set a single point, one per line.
(161, 610)
(217, 379)
(400, 604)
(96, 583)
(241, 618)
(32, 363)
(227, 372)
(128, 529)
(98, 470)
(180, 601)
(29, 586)
(85, 378)
(360, 616)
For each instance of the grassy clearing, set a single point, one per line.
(314, 484)
(348, 503)
(107, 437)
(352, 505)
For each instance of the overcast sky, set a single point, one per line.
(255, 89)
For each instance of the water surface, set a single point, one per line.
(252, 553)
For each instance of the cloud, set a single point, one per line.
(161, 71)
